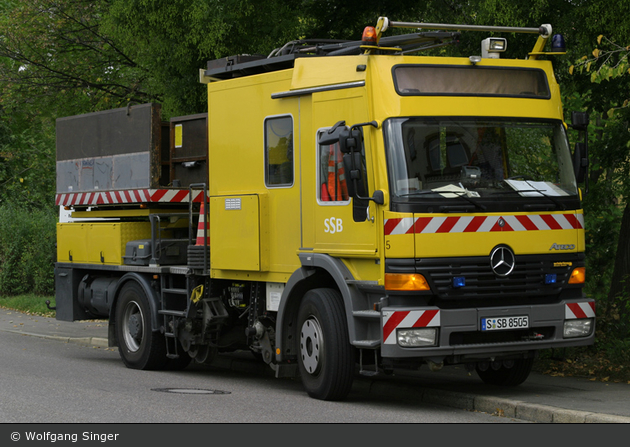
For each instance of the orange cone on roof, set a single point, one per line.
(201, 226)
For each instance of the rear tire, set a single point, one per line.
(326, 360)
(139, 346)
(504, 376)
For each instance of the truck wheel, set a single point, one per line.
(325, 360)
(505, 376)
(138, 345)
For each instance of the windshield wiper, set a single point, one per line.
(518, 191)
(418, 193)
(458, 194)
(463, 195)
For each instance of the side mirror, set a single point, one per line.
(580, 161)
(579, 120)
(353, 165)
(351, 140)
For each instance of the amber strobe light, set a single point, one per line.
(369, 35)
(578, 275)
(406, 282)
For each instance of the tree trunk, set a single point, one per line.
(620, 285)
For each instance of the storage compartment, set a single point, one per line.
(167, 252)
(98, 243)
(189, 150)
(66, 285)
(235, 233)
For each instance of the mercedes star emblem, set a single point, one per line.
(502, 261)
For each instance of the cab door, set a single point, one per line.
(329, 224)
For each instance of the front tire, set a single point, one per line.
(326, 360)
(139, 346)
(504, 376)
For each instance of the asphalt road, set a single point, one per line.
(70, 362)
(48, 381)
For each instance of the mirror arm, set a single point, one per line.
(371, 123)
(378, 197)
(337, 125)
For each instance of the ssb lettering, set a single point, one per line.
(333, 225)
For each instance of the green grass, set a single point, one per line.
(31, 304)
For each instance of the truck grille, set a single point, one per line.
(527, 278)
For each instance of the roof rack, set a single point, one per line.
(284, 57)
(543, 31)
(385, 24)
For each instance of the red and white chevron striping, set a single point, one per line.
(573, 311)
(483, 224)
(127, 196)
(407, 319)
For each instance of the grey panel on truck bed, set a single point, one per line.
(113, 149)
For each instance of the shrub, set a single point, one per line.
(27, 251)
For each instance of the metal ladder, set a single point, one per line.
(368, 344)
(171, 316)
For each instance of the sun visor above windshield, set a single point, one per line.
(464, 80)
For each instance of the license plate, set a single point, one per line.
(501, 323)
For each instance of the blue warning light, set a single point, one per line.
(551, 278)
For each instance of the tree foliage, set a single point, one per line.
(173, 39)
(607, 66)
(26, 158)
(57, 59)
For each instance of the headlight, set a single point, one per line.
(413, 338)
(578, 328)
(492, 46)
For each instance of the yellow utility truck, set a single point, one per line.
(343, 207)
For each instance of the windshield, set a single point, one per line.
(455, 158)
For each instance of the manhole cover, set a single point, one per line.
(189, 391)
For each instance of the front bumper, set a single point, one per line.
(460, 336)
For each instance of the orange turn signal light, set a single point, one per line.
(369, 35)
(578, 276)
(406, 282)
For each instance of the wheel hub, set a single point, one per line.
(134, 326)
(311, 345)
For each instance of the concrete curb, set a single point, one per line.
(486, 404)
(498, 406)
(97, 342)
